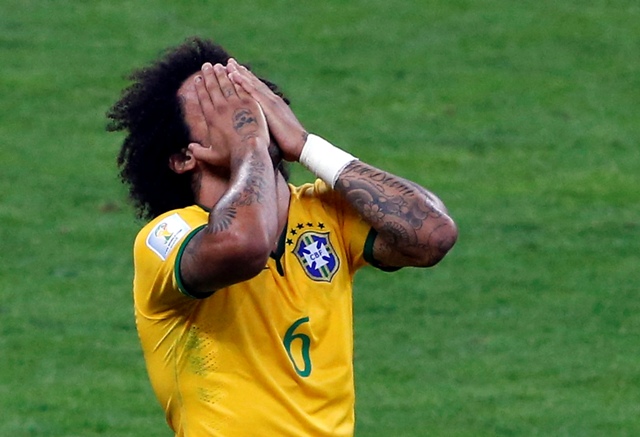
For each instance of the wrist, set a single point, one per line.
(248, 146)
(299, 145)
(323, 159)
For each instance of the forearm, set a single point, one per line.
(404, 214)
(413, 225)
(247, 209)
(242, 227)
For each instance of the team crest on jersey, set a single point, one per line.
(167, 234)
(317, 256)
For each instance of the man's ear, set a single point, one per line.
(182, 161)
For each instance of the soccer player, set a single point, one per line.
(243, 282)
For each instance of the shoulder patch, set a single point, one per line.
(166, 234)
(317, 256)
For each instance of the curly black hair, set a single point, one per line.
(151, 115)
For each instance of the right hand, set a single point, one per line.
(283, 124)
(231, 120)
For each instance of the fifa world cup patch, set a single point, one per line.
(164, 237)
(317, 256)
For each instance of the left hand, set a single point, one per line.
(283, 124)
(229, 119)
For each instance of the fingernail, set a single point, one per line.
(207, 65)
(198, 79)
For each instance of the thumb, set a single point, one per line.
(206, 154)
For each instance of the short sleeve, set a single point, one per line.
(358, 236)
(156, 283)
(355, 233)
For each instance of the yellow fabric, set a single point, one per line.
(271, 356)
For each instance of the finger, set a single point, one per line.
(232, 65)
(242, 88)
(249, 74)
(250, 82)
(204, 98)
(244, 84)
(212, 85)
(232, 71)
(192, 111)
(240, 66)
(227, 88)
(237, 79)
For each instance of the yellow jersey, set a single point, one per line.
(271, 356)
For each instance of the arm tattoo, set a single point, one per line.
(222, 220)
(250, 192)
(393, 206)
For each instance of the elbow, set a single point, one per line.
(220, 261)
(251, 253)
(447, 238)
(249, 256)
(441, 241)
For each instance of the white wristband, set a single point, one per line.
(324, 159)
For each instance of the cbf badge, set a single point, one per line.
(316, 254)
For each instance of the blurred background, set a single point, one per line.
(522, 116)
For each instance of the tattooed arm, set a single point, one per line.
(412, 223)
(413, 226)
(242, 227)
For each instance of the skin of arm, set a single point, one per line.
(235, 244)
(413, 225)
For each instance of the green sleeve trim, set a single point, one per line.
(176, 268)
(368, 247)
(368, 253)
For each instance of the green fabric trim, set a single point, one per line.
(368, 253)
(277, 255)
(176, 267)
(368, 247)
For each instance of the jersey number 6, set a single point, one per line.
(289, 338)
